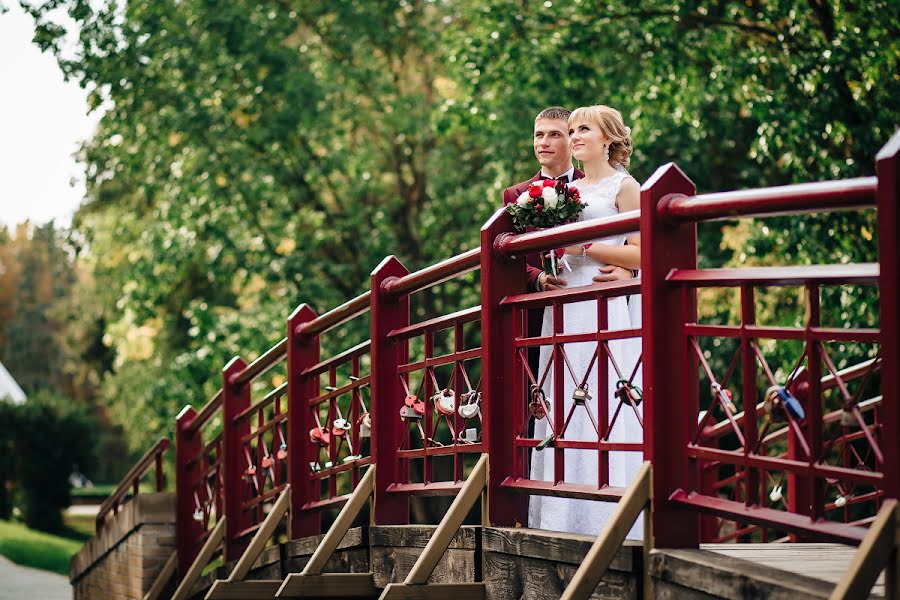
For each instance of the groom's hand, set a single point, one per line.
(549, 282)
(613, 273)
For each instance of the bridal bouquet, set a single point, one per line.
(546, 203)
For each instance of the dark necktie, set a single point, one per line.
(563, 178)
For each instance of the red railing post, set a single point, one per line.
(235, 399)
(187, 477)
(302, 353)
(501, 276)
(670, 372)
(888, 198)
(386, 314)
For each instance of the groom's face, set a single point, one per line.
(551, 145)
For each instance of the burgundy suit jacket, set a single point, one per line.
(533, 267)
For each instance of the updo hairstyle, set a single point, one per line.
(610, 122)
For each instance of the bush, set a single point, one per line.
(51, 437)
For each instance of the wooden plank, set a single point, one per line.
(306, 546)
(731, 578)
(511, 576)
(434, 591)
(610, 539)
(393, 564)
(263, 534)
(244, 590)
(450, 524)
(566, 548)
(203, 558)
(417, 536)
(872, 556)
(329, 585)
(342, 524)
(159, 584)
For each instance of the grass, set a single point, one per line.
(101, 490)
(36, 549)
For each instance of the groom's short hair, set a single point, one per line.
(554, 112)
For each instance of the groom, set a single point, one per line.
(554, 153)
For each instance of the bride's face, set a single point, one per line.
(587, 141)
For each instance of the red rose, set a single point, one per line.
(534, 191)
(549, 183)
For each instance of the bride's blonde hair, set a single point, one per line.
(610, 122)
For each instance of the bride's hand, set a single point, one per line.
(574, 250)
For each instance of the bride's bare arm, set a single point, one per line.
(629, 255)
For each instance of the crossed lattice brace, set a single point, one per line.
(446, 407)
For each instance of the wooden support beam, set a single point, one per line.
(163, 578)
(450, 524)
(415, 585)
(599, 557)
(311, 581)
(878, 550)
(342, 524)
(435, 591)
(203, 557)
(223, 589)
(244, 590)
(328, 585)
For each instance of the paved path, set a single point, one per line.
(24, 583)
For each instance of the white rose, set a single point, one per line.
(550, 197)
(523, 199)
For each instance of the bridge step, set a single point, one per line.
(789, 571)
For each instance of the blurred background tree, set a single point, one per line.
(253, 156)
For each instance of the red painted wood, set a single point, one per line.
(387, 314)
(187, 476)
(236, 398)
(500, 277)
(337, 315)
(888, 169)
(670, 372)
(434, 274)
(567, 235)
(302, 353)
(788, 199)
(859, 274)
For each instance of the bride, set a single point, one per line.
(599, 139)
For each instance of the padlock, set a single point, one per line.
(540, 404)
(471, 406)
(408, 412)
(340, 427)
(468, 436)
(250, 471)
(198, 514)
(623, 387)
(547, 441)
(282, 452)
(848, 419)
(352, 457)
(445, 401)
(315, 467)
(840, 501)
(581, 394)
(791, 404)
(365, 425)
(319, 436)
(775, 495)
(267, 461)
(772, 404)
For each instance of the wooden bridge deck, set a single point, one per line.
(825, 562)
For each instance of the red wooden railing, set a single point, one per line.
(312, 431)
(132, 480)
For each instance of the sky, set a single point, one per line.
(42, 121)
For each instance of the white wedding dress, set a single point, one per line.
(582, 466)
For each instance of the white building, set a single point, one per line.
(9, 389)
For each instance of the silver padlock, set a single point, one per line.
(407, 412)
(581, 394)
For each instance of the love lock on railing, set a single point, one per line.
(778, 401)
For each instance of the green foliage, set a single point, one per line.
(253, 156)
(36, 549)
(51, 439)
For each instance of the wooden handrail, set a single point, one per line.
(132, 479)
(208, 410)
(434, 274)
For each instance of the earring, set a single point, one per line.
(606, 151)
